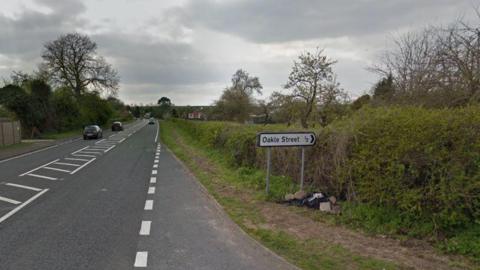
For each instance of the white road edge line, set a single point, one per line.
(151, 190)
(156, 136)
(38, 168)
(145, 228)
(23, 186)
(81, 167)
(12, 201)
(141, 259)
(9, 214)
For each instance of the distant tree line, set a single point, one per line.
(66, 92)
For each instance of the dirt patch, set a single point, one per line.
(416, 254)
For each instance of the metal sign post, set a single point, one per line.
(302, 168)
(267, 188)
(285, 139)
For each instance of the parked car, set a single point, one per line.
(92, 131)
(151, 121)
(117, 126)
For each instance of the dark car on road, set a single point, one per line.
(92, 132)
(151, 121)
(117, 126)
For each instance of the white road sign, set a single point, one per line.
(286, 139)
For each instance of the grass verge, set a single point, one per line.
(237, 190)
(14, 146)
(62, 135)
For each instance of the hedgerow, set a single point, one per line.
(422, 163)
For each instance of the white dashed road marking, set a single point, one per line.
(151, 190)
(154, 172)
(153, 180)
(149, 205)
(145, 228)
(141, 259)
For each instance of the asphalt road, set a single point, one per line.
(123, 202)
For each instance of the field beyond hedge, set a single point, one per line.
(401, 171)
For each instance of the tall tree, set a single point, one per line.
(236, 102)
(72, 60)
(313, 81)
(164, 101)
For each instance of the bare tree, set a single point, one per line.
(236, 102)
(311, 80)
(243, 82)
(438, 66)
(72, 61)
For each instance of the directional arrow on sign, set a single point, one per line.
(285, 139)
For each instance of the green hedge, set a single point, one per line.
(422, 162)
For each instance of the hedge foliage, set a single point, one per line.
(424, 163)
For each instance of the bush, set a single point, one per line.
(412, 162)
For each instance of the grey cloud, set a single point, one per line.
(286, 20)
(24, 35)
(140, 60)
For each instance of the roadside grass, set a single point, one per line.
(15, 146)
(309, 254)
(62, 135)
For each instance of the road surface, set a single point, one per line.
(123, 202)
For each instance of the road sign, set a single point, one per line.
(285, 139)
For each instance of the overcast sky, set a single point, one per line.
(188, 50)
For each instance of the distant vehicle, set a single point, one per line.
(92, 131)
(151, 121)
(117, 126)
